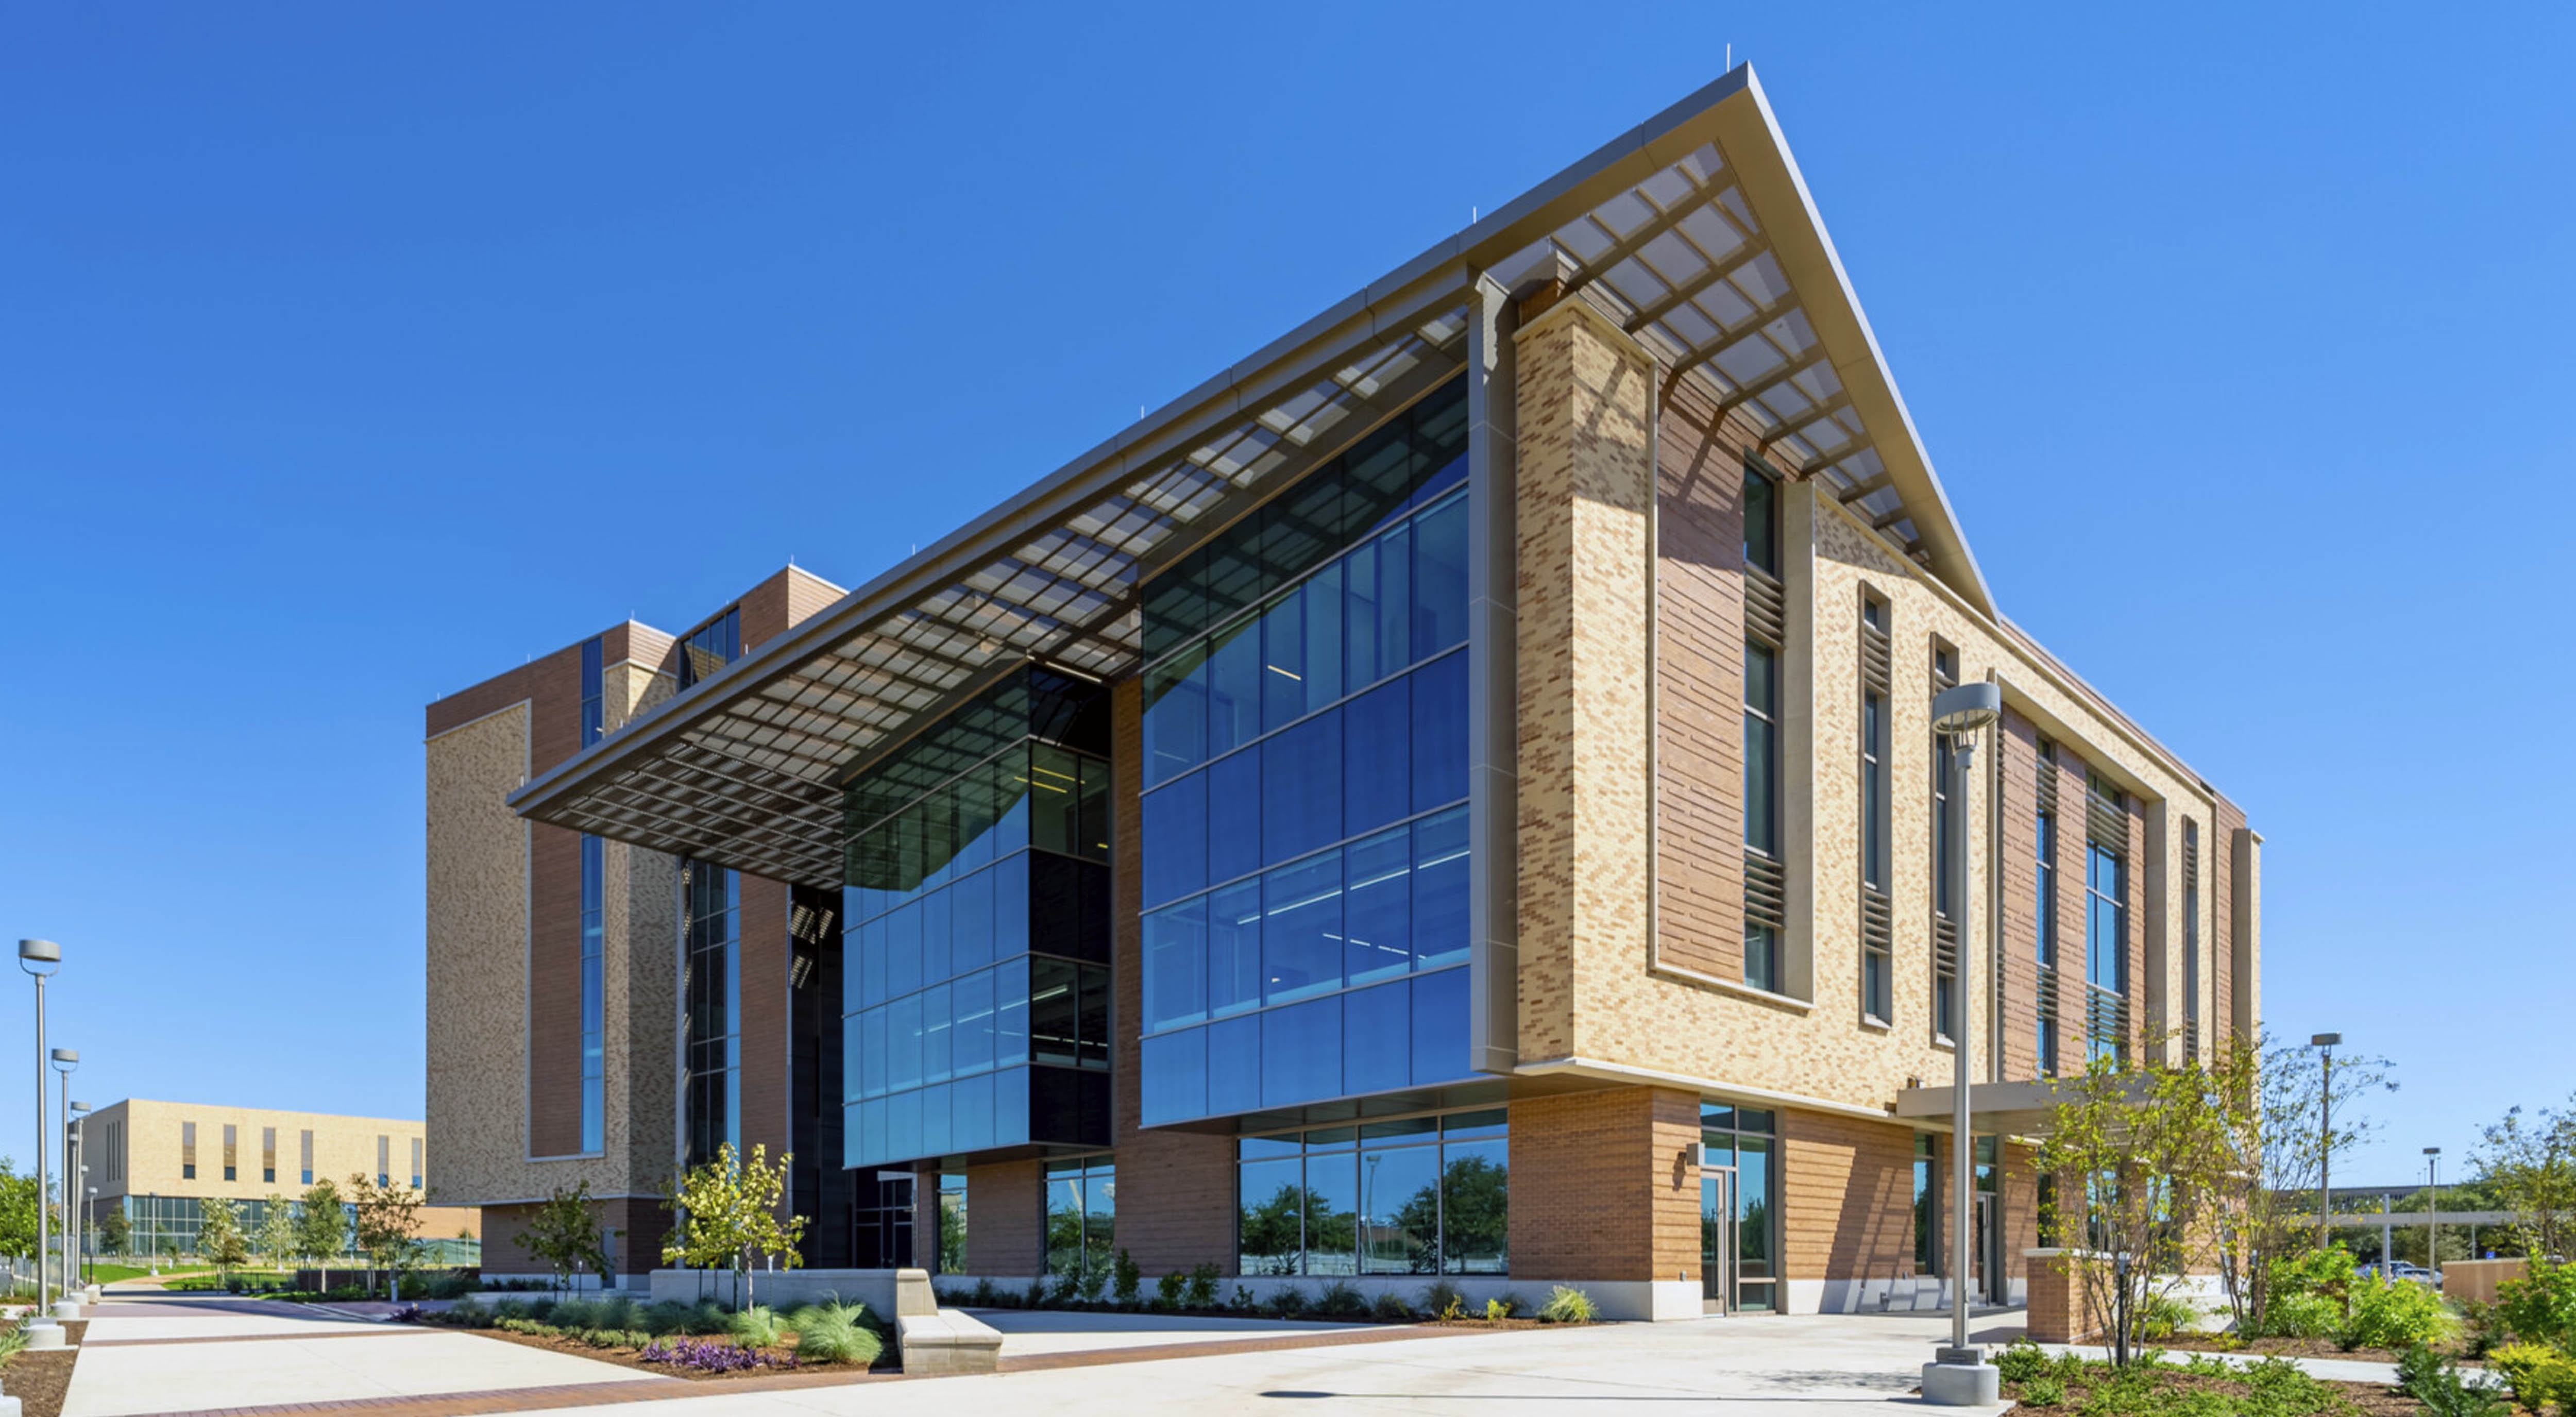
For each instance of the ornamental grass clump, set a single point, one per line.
(755, 1327)
(1567, 1305)
(834, 1332)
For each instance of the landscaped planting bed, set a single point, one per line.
(699, 1341)
(39, 1379)
(2196, 1387)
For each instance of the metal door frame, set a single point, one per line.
(1990, 1248)
(1721, 1272)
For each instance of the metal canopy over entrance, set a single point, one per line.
(1695, 228)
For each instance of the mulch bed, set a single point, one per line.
(1498, 1325)
(634, 1358)
(39, 1380)
(2363, 1399)
(2303, 1348)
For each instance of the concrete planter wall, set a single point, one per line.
(1627, 1300)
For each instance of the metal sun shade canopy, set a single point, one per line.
(1695, 230)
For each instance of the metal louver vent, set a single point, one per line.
(2106, 815)
(1876, 915)
(1766, 611)
(1874, 657)
(1766, 892)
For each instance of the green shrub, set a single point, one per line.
(836, 1333)
(2539, 1305)
(1497, 1310)
(1287, 1303)
(1390, 1308)
(1201, 1293)
(667, 1316)
(755, 1327)
(1036, 1296)
(2281, 1388)
(1131, 1279)
(2162, 1316)
(2020, 1361)
(2302, 1316)
(1569, 1306)
(2538, 1374)
(1169, 1289)
(1443, 1301)
(2394, 1314)
(2043, 1390)
(983, 1295)
(1341, 1301)
(2435, 1381)
(1244, 1300)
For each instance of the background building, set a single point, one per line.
(157, 1162)
(1454, 795)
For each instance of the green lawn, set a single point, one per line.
(106, 1273)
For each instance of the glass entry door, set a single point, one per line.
(1990, 1251)
(1717, 1239)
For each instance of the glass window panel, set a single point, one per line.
(1174, 1085)
(1439, 1043)
(1095, 810)
(1761, 534)
(1234, 816)
(876, 1038)
(870, 976)
(1301, 1053)
(937, 1135)
(935, 936)
(1176, 960)
(1093, 1032)
(1270, 1217)
(1234, 678)
(970, 1106)
(978, 806)
(1011, 1013)
(1054, 1025)
(903, 1043)
(1394, 633)
(1064, 1226)
(1378, 476)
(1264, 1148)
(1377, 906)
(1439, 732)
(1360, 620)
(1234, 1065)
(1301, 775)
(1761, 750)
(1010, 785)
(1440, 577)
(973, 1036)
(854, 1058)
(1055, 804)
(1332, 1214)
(1301, 928)
(1377, 757)
(1011, 1107)
(1754, 1241)
(1234, 948)
(1283, 660)
(903, 949)
(1010, 906)
(1493, 1122)
(903, 1122)
(1400, 1210)
(1475, 1206)
(970, 920)
(1322, 597)
(1175, 605)
(936, 1035)
(1175, 724)
(1440, 889)
(1377, 1038)
(1175, 840)
(1099, 1218)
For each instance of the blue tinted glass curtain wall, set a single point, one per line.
(1305, 818)
(976, 994)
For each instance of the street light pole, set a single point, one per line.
(2325, 1128)
(2433, 1221)
(77, 1171)
(1960, 1376)
(65, 1060)
(40, 958)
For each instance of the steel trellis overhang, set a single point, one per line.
(1695, 229)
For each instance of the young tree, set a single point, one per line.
(115, 1232)
(17, 1210)
(276, 1236)
(728, 1216)
(2280, 1100)
(322, 1227)
(385, 1226)
(565, 1235)
(2529, 1164)
(2140, 1153)
(220, 1241)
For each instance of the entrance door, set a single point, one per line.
(883, 1220)
(1990, 1251)
(1717, 1248)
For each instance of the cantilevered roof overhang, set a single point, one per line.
(1695, 230)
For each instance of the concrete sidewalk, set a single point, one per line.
(174, 1353)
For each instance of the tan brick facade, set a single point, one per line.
(1603, 1185)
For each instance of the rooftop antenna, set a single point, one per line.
(1730, 56)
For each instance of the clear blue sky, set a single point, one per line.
(2238, 334)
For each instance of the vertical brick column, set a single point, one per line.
(1175, 1189)
(2056, 1313)
(1603, 1187)
(1585, 392)
(1006, 1219)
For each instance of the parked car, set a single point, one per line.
(2401, 1269)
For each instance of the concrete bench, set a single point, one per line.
(947, 1343)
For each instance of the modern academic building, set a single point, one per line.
(1453, 795)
